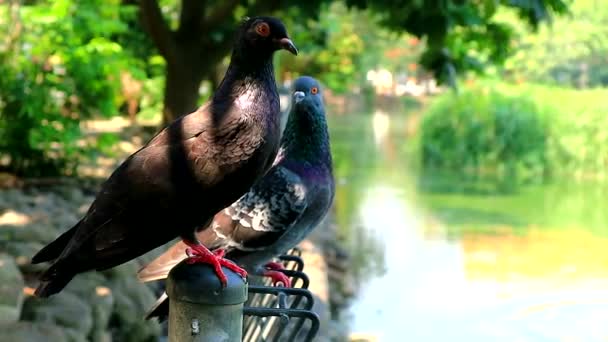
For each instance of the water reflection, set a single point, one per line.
(442, 258)
(381, 124)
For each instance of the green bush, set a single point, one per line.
(578, 144)
(484, 130)
(62, 67)
(527, 130)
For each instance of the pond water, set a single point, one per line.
(443, 258)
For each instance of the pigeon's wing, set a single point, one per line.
(252, 223)
(266, 212)
(198, 156)
(138, 205)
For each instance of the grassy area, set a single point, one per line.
(527, 131)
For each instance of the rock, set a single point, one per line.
(73, 335)
(12, 217)
(337, 299)
(349, 286)
(36, 331)
(12, 198)
(8, 181)
(316, 269)
(88, 309)
(11, 290)
(338, 265)
(70, 193)
(127, 270)
(338, 272)
(101, 336)
(66, 219)
(83, 208)
(35, 232)
(64, 309)
(90, 287)
(23, 252)
(335, 276)
(132, 299)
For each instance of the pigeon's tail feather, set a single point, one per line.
(159, 268)
(53, 281)
(53, 249)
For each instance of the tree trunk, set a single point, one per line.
(192, 55)
(215, 77)
(181, 91)
(184, 78)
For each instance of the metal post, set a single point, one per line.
(200, 310)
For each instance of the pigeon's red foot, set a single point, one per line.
(219, 252)
(275, 266)
(273, 271)
(199, 254)
(278, 278)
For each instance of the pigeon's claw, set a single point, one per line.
(233, 267)
(199, 254)
(278, 278)
(198, 258)
(219, 252)
(274, 266)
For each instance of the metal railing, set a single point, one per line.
(281, 314)
(254, 313)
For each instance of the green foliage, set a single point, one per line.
(152, 99)
(578, 144)
(60, 68)
(346, 41)
(573, 51)
(342, 45)
(528, 131)
(61, 60)
(484, 130)
(331, 47)
(461, 35)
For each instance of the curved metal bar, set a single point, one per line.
(286, 290)
(270, 309)
(295, 251)
(295, 259)
(305, 314)
(298, 275)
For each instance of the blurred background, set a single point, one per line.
(470, 145)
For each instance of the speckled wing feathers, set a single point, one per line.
(267, 210)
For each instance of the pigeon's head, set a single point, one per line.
(261, 36)
(307, 94)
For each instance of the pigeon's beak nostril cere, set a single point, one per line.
(298, 96)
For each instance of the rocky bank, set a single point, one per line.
(106, 306)
(109, 306)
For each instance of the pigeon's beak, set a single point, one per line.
(287, 44)
(298, 96)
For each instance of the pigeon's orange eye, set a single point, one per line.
(263, 29)
(314, 90)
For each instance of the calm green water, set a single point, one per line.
(446, 259)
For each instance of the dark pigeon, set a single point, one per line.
(279, 210)
(192, 169)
